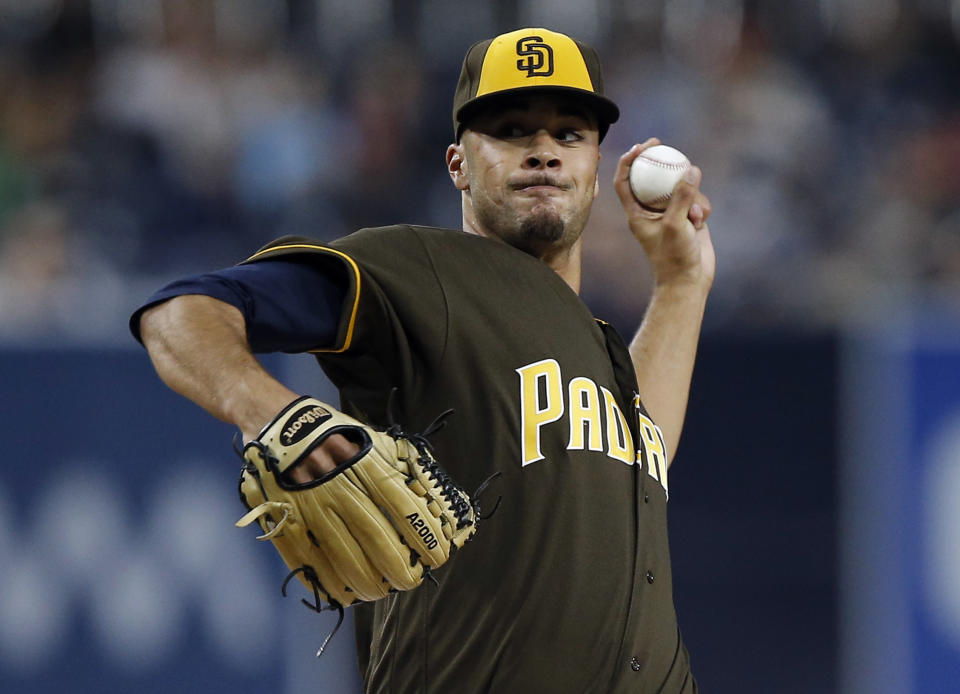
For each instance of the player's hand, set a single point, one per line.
(334, 450)
(676, 240)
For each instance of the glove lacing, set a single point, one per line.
(449, 490)
(317, 587)
(428, 463)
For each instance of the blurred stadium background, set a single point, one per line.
(815, 521)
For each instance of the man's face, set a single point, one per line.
(529, 168)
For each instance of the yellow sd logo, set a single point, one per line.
(536, 57)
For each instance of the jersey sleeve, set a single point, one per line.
(288, 305)
(310, 253)
(393, 319)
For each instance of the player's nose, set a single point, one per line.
(542, 153)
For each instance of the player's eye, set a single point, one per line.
(569, 135)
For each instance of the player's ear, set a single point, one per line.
(596, 176)
(457, 166)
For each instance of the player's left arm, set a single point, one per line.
(677, 243)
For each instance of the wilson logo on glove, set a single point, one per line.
(302, 423)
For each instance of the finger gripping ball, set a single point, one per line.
(655, 173)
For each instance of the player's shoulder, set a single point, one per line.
(287, 246)
(414, 235)
(410, 241)
(395, 244)
(374, 239)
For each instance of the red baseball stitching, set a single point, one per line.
(665, 165)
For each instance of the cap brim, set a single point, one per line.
(605, 110)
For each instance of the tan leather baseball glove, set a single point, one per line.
(377, 523)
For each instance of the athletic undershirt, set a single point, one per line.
(289, 305)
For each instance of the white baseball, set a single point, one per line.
(654, 174)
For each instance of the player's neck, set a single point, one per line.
(566, 262)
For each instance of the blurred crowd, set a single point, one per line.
(141, 140)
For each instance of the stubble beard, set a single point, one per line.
(542, 231)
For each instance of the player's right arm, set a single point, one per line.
(677, 244)
(200, 346)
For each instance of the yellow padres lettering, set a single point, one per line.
(656, 451)
(584, 415)
(596, 422)
(619, 441)
(653, 446)
(536, 410)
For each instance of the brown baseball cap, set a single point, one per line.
(531, 59)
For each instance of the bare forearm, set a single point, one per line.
(199, 348)
(663, 351)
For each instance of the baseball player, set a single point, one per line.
(567, 586)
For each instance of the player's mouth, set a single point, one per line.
(538, 186)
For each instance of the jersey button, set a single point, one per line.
(646, 498)
(650, 577)
(635, 664)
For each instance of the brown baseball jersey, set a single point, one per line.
(567, 586)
